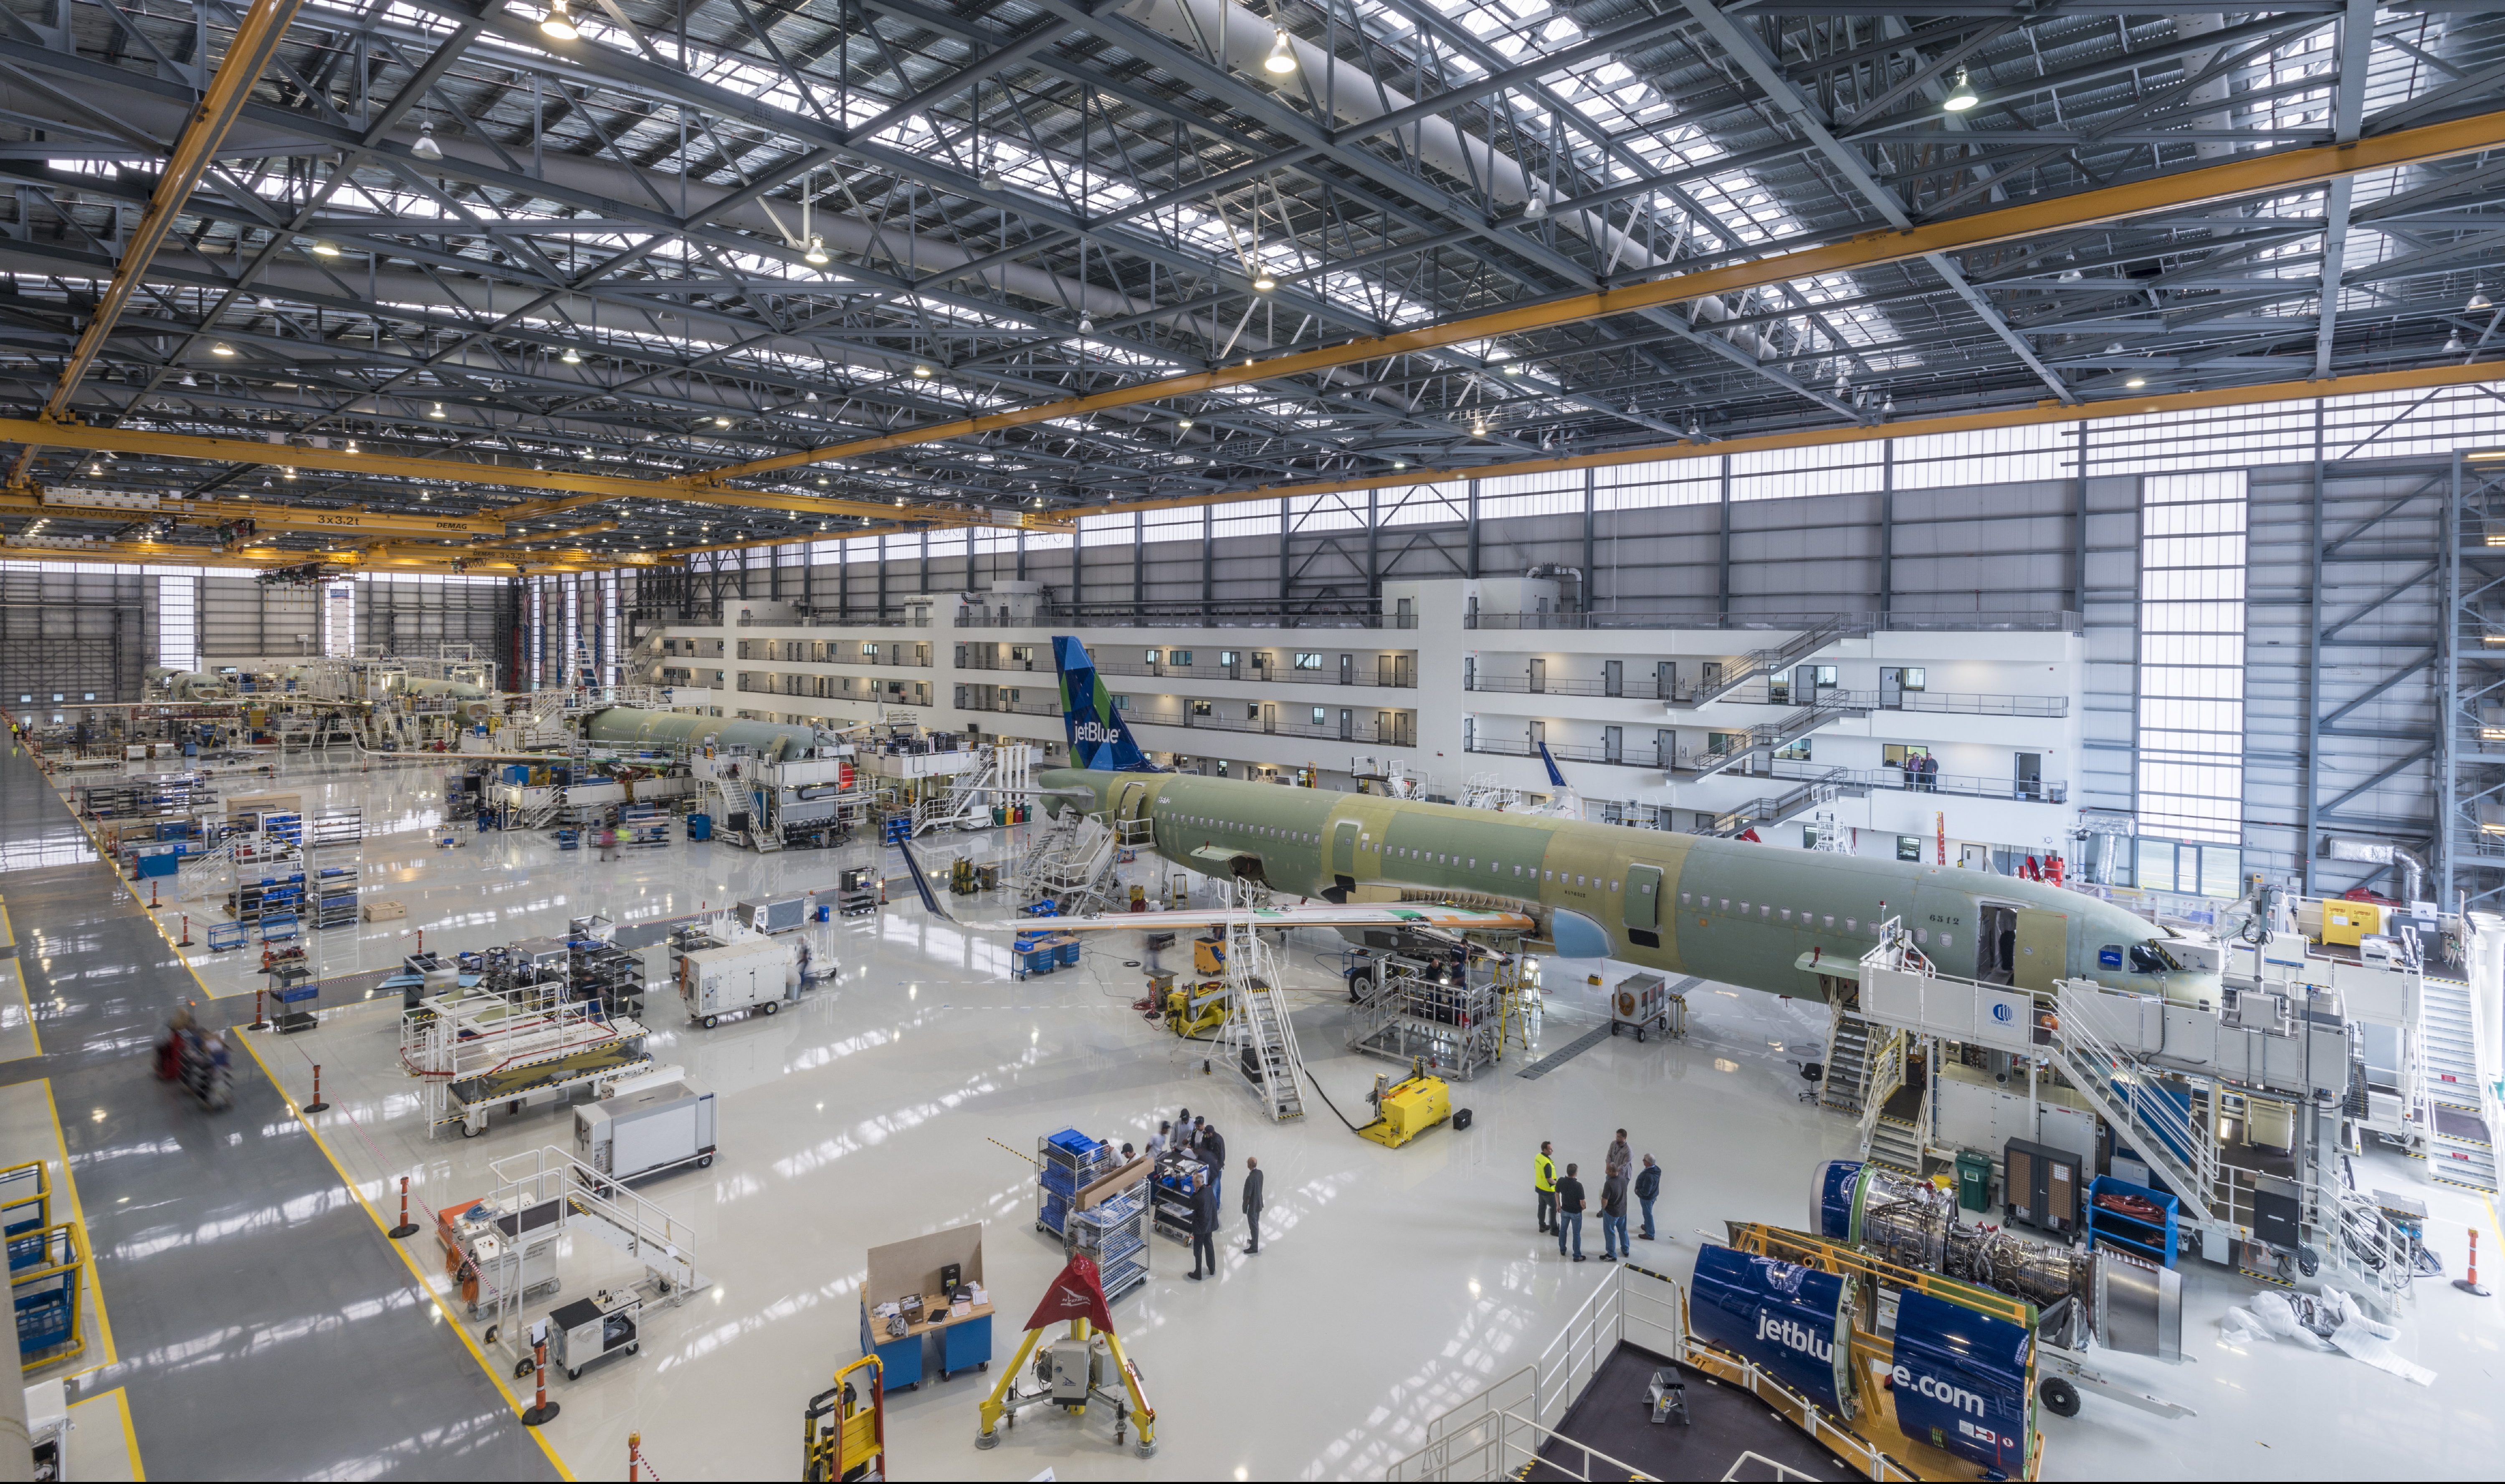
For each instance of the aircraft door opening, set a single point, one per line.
(1643, 905)
(1344, 854)
(1996, 942)
(2043, 949)
(1134, 803)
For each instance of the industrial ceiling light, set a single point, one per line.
(436, 411)
(290, 474)
(560, 26)
(1282, 61)
(816, 256)
(1400, 462)
(1513, 368)
(221, 348)
(426, 148)
(721, 422)
(323, 249)
(1184, 423)
(572, 356)
(2478, 298)
(1535, 210)
(922, 371)
(190, 380)
(1960, 98)
(2136, 383)
(1263, 282)
(1887, 408)
(2114, 349)
(1086, 325)
(2452, 344)
(821, 481)
(992, 174)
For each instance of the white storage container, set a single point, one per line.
(651, 1128)
(726, 981)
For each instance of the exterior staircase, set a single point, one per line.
(1822, 790)
(2460, 1150)
(1760, 663)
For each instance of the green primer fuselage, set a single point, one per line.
(1736, 911)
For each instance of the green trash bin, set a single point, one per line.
(1973, 1180)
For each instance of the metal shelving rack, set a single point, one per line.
(1116, 1235)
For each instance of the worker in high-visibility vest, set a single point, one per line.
(1543, 1180)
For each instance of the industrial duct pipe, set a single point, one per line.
(2345, 847)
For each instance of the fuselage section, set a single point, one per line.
(1738, 912)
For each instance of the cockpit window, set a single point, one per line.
(2149, 958)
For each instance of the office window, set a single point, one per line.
(2191, 774)
(1178, 657)
(1914, 677)
(1909, 847)
(869, 651)
(1305, 661)
(1320, 716)
(1152, 655)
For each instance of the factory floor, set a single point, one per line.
(1391, 1285)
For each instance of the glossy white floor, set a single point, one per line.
(1391, 1283)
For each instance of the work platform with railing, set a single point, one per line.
(2242, 1101)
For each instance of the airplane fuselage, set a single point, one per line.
(1757, 916)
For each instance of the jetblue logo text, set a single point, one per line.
(1092, 732)
(1957, 1399)
(1792, 1334)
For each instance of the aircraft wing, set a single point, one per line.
(1311, 914)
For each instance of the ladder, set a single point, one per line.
(1259, 1040)
(2460, 1143)
(1847, 1061)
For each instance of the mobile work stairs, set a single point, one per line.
(2092, 1036)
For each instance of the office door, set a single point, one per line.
(1346, 725)
(1539, 734)
(1892, 688)
(1347, 669)
(1665, 679)
(1539, 677)
(1613, 678)
(1614, 744)
(2031, 775)
(1710, 673)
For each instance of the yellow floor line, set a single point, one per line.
(416, 1273)
(19, 972)
(77, 1214)
(121, 1400)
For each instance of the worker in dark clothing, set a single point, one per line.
(1252, 1204)
(1204, 1229)
(1569, 1213)
(1213, 1151)
(1543, 1186)
(1613, 1219)
(1648, 1191)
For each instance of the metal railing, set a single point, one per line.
(1402, 732)
(2035, 621)
(1404, 678)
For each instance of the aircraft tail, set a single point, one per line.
(1099, 739)
(1555, 775)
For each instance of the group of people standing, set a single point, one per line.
(1562, 1199)
(1200, 1138)
(1921, 773)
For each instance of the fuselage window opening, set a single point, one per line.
(2148, 957)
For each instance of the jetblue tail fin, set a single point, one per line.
(1556, 776)
(1098, 738)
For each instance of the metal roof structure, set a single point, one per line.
(577, 286)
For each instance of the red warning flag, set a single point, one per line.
(1074, 1294)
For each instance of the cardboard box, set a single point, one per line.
(384, 910)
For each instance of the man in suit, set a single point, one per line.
(1204, 1229)
(1252, 1204)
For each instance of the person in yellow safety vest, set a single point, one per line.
(1543, 1180)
